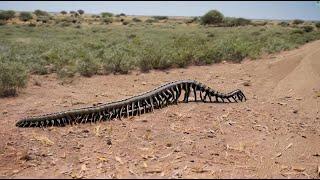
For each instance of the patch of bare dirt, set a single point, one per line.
(275, 134)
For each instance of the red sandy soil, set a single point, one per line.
(274, 134)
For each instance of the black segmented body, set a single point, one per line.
(155, 99)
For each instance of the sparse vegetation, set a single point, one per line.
(13, 76)
(317, 24)
(69, 48)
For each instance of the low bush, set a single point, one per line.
(151, 21)
(43, 19)
(6, 15)
(160, 17)
(63, 12)
(283, 24)
(118, 61)
(80, 11)
(25, 16)
(107, 20)
(297, 31)
(38, 12)
(136, 19)
(13, 76)
(106, 14)
(307, 28)
(317, 24)
(232, 22)
(125, 22)
(87, 66)
(297, 21)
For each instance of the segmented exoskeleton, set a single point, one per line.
(158, 98)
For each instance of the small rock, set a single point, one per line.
(299, 169)
(247, 83)
(5, 112)
(295, 111)
(37, 83)
(210, 136)
(144, 83)
(26, 157)
(76, 103)
(109, 142)
(168, 144)
(281, 103)
(85, 131)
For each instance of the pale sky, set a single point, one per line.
(306, 10)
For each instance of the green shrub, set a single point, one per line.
(39, 68)
(283, 24)
(212, 17)
(64, 12)
(297, 31)
(207, 55)
(106, 14)
(43, 19)
(317, 24)
(25, 16)
(87, 66)
(107, 20)
(122, 14)
(307, 28)
(6, 15)
(232, 22)
(160, 17)
(80, 11)
(38, 12)
(13, 76)
(119, 60)
(297, 21)
(125, 22)
(136, 19)
(151, 21)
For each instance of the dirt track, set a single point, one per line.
(275, 134)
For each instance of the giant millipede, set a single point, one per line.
(146, 102)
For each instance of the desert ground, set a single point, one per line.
(274, 134)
